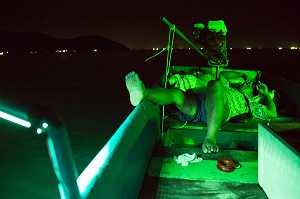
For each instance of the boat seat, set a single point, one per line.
(250, 126)
(235, 136)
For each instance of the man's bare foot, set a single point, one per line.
(135, 87)
(209, 146)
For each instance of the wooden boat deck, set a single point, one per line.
(216, 184)
(154, 187)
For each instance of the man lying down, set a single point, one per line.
(212, 106)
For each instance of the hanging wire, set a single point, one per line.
(168, 66)
(170, 52)
(156, 54)
(185, 123)
(169, 48)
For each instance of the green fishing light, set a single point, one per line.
(39, 131)
(43, 128)
(45, 125)
(15, 119)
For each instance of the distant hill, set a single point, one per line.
(33, 41)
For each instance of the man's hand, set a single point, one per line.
(262, 89)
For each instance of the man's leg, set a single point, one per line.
(215, 103)
(162, 96)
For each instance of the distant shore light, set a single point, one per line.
(279, 48)
(61, 51)
(248, 48)
(1, 53)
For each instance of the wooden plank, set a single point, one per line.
(168, 187)
(154, 187)
(205, 170)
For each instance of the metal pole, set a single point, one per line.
(42, 120)
(62, 159)
(183, 37)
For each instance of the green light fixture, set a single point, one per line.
(15, 120)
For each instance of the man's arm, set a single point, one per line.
(225, 76)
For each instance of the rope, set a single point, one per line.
(168, 65)
(166, 48)
(170, 52)
(156, 54)
(183, 125)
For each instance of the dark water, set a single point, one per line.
(87, 90)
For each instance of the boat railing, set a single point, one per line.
(133, 144)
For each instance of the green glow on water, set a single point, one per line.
(15, 119)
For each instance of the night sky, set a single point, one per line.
(137, 24)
